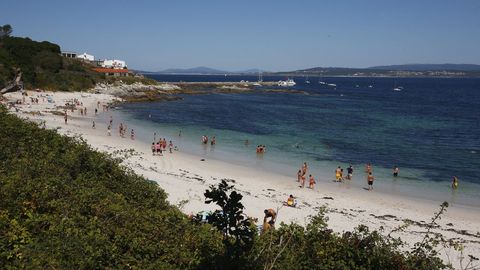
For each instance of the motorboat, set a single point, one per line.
(286, 83)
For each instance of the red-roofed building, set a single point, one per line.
(113, 71)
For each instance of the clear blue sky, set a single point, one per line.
(271, 35)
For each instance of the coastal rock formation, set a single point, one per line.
(138, 91)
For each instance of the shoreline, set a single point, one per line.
(184, 177)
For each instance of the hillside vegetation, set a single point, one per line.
(42, 66)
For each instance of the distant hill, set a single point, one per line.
(203, 71)
(195, 70)
(429, 67)
(408, 70)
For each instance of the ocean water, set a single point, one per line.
(430, 130)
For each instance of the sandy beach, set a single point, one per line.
(185, 178)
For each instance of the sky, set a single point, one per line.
(271, 35)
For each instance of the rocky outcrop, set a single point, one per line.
(135, 89)
(138, 91)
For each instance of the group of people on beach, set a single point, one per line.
(301, 177)
(161, 146)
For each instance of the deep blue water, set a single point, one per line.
(432, 126)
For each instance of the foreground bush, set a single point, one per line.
(64, 206)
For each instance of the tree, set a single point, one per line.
(5, 30)
(236, 228)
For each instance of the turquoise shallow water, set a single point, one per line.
(430, 130)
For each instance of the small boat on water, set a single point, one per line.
(323, 83)
(332, 85)
(399, 88)
(286, 83)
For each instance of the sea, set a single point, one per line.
(430, 129)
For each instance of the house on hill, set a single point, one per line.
(86, 57)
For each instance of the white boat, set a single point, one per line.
(395, 87)
(286, 83)
(320, 82)
(332, 85)
(307, 81)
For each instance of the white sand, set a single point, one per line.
(185, 178)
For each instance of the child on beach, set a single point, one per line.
(370, 179)
(311, 182)
(299, 175)
(153, 149)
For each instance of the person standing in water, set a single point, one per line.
(213, 141)
(396, 170)
(349, 172)
(368, 168)
(454, 182)
(299, 176)
(370, 179)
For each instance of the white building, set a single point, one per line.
(86, 57)
(116, 64)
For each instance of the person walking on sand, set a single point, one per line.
(109, 130)
(395, 171)
(153, 149)
(132, 134)
(65, 117)
(370, 179)
(311, 182)
(299, 176)
(454, 182)
(302, 181)
(170, 146)
(120, 129)
(93, 124)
